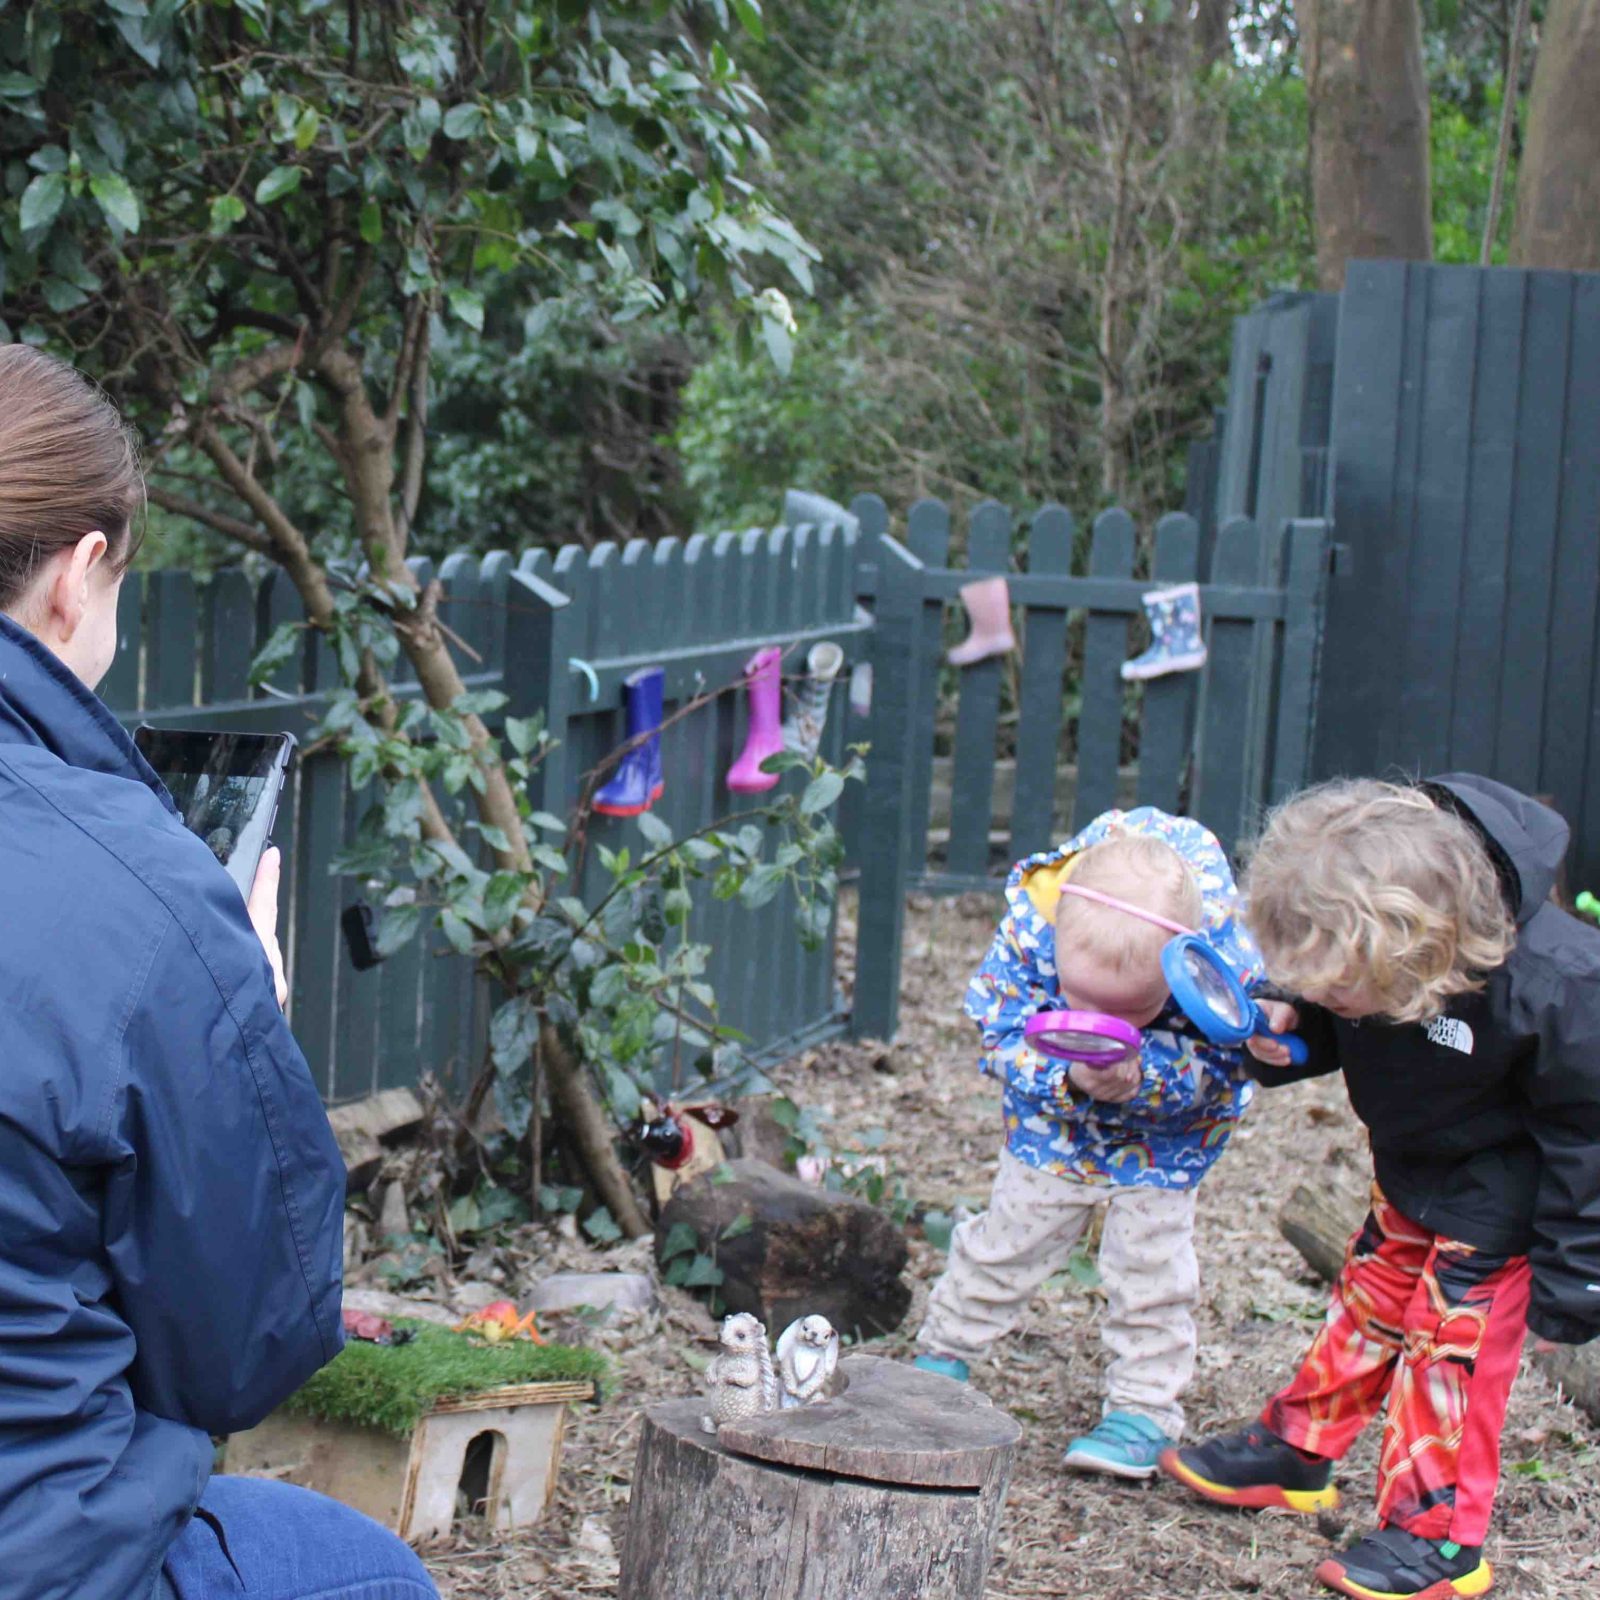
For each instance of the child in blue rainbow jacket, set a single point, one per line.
(1085, 928)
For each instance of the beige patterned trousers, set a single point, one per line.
(1147, 1268)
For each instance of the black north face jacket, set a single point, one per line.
(1485, 1122)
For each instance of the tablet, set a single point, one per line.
(227, 787)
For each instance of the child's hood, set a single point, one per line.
(1033, 891)
(1527, 840)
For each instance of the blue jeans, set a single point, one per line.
(278, 1542)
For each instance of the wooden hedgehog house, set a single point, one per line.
(414, 1434)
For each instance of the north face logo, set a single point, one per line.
(1452, 1033)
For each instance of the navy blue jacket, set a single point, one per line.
(171, 1195)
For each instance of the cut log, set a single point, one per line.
(893, 1490)
(1318, 1221)
(362, 1126)
(799, 1250)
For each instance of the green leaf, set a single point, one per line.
(279, 182)
(226, 211)
(821, 792)
(656, 833)
(937, 1227)
(467, 305)
(462, 121)
(371, 222)
(501, 899)
(463, 1215)
(703, 1273)
(119, 203)
(554, 1199)
(749, 14)
(457, 932)
(60, 295)
(738, 1228)
(601, 1226)
(525, 734)
(398, 926)
(513, 1033)
(42, 201)
(305, 128)
(780, 344)
(680, 1240)
(721, 1173)
(761, 886)
(1082, 1269)
(549, 822)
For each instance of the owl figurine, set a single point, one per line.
(808, 1352)
(740, 1382)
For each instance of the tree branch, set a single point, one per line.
(411, 472)
(220, 522)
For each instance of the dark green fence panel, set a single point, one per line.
(1466, 484)
(1040, 705)
(1105, 648)
(1167, 724)
(978, 709)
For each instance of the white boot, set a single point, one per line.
(802, 729)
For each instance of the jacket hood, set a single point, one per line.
(1527, 840)
(44, 703)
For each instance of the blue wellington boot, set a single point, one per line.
(637, 783)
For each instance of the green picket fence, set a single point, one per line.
(1217, 744)
(557, 632)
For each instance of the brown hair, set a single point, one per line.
(69, 466)
(1357, 882)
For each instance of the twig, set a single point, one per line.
(1508, 118)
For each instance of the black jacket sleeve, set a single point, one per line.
(1322, 1046)
(1563, 1091)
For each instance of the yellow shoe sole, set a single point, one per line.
(1477, 1582)
(1258, 1497)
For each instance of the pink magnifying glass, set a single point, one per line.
(1092, 1037)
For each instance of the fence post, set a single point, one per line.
(872, 518)
(1305, 572)
(898, 650)
(538, 676)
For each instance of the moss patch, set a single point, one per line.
(394, 1386)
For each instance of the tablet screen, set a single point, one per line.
(225, 786)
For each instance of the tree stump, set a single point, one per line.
(798, 1251)
(891, 1491)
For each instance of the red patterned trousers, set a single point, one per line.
(1438, 1328)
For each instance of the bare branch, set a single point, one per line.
(411, 473)
(220, 522)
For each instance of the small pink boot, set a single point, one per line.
(764, 737)
(988, 603)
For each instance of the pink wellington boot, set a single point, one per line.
(988, 603)
(764, 685)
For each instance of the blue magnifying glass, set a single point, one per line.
(1214, 1000)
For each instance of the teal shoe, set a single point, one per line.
(945, 1366)
(1124, 1444)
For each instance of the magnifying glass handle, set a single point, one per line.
(1292, 1042)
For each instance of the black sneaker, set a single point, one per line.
(1391, 1564)
(1254, 1470)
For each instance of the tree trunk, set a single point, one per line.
(582, 1117)
(1368, 97)
(1558, 182)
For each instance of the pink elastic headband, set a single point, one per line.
(1122, 905)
